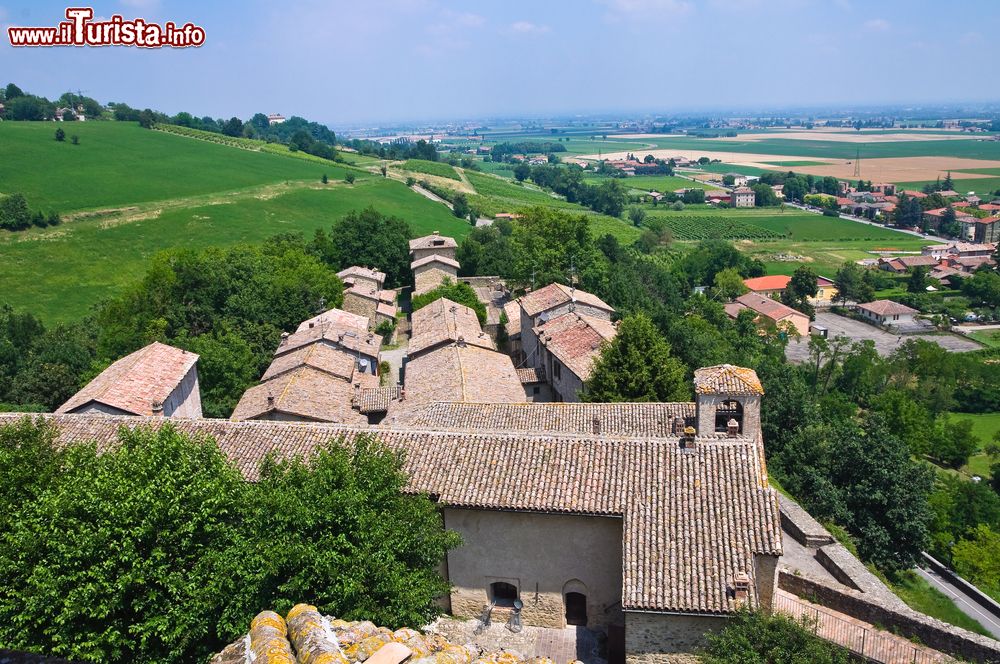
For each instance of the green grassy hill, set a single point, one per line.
(129, 192)
(119, 163)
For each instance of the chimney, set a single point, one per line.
(157, 408)
(732, 428)
(678, 427)
(270, 401)
(687, 441)
(284, 337)
(461, 341)
(596, 426)
(311, 326)
(741, 587)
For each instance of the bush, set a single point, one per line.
(74, 139)
(456, 292)
(753, 637)
(349, 178)
(677, 206)
(60, 135)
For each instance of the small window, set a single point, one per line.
(536, 390)
(503, 594)
(557, 370)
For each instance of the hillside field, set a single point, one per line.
(119, 163)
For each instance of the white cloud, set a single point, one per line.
(646, 9)
(528, 28)
(876, 25)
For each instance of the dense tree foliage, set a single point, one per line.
(637, 366)
(770, 638)
(456, 292)
(370, 239)
(198, 551)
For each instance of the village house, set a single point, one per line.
(652, 522)
(743, 197)
(492, 292)
(157, 380)
(717, 196)
(771, 311)
(903, 264)
(376, 305)
(275, 118)
(981, 231)
(433, 261)
(317, 373)
(933, 218)
(434, 244)
(774, 285)
(962, 249)
(568, 347)
(739, 180)
(552, 301)
(887, 313)
(358, 276)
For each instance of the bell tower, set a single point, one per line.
(727, 400)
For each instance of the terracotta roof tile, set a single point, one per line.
(692, 518)
(362, 272)
(576, 340)
(435, 258)
(727, 379)
(434, 241)
(529, 375)
(335, 319)
(325, 358)
(443, 321)
(459, 372)
(553, 295)
(887, 308)
(351, 339)
(134, 382)
(767, 306)
(376, 399)
(770, 282)
(304, 392)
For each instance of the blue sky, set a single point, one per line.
(366, 61)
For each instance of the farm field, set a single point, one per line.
(58, 273)
(437, 168)
(984, 186)
(120, 163)
(662, 183)
(990, 338)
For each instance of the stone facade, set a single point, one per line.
(430, 276)
(566, 385)
(706, 406)
(543, 556)
(663, 638)
(361, 305)
(529, 340)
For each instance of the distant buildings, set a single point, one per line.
(275, 118)
(774, 285)
(887, 312)
(742, 197)
(771, 311)
(157, 380)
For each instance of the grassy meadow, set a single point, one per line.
(661, 183)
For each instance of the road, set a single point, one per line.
(965, 603)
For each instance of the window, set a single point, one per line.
(728, 410)
(536, 390)
(503, 593)
(556, 369)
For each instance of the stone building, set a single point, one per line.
(434, 244)
(358, 276)
(568, 347)
(770, 312)
(552, 301)
(432, 271)
(742, 197)
(612, 516)
(155, 380)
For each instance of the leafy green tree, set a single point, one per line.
(146, 119)
(14, 212)
(755, 637)
(636, 215)
(907, 418)
(977, 558)
(460, 206)
(636, 366)
(551, 245)
(456, 292)
(803, 285)
(12, 92)
(851, 284)
(610, 198)
(728, 179)
(368, 238)
(487, 251)
(60, 135)
(983, 288)
(764, 195)
(522, 171)
(729, 285)
(918, 280)
(953, 441)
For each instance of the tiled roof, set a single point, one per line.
(335, 319)
(435, 258)
(887, 308)
(691, 518)
(135, 381)
(444, 321)
(356, 340)
(916, 261)
(770, 282)
(386, 309)
(615, 420)
(513, 326)
(376, 399)
(727, 379)
(362, 272)
(529, 375)
(434, 241)
(767, 306)
(304, 392)
(461, 373)
(575, 340)
(554, 295)
(325, 358)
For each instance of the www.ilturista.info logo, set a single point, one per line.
(81, 30)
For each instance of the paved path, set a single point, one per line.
(431, 195)
(885, 342)
(560, 645)
(965, 603)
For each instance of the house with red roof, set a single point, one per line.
(775, 284)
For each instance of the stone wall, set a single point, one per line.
(660, 638)
(707, 404)
(446, 252)
(902, 620)
(541, 555)
(801, 525)
(430, 276)
(362, 306)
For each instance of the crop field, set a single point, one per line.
(437, 168)
(692, 227)
(119, 164)
(983, 186)
(58, 273)
(660, 183)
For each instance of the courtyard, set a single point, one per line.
(569, 644)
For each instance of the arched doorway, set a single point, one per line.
(575, 598)
(728, 410)
(576, 609)
(503, 593)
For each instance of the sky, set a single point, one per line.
(363, 62)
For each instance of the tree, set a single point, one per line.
(918, 280)
(233, 127)
(952, 442)
(74, 139)
(460, 206)
(260, 122)
(367, 238)
(949, 223)
(755, 637)
(12, 92)
(487, 250)
(146, 119)
(802, 286)
(14, 212)
(553, 245)
(975, 558)
(28, 107)
(764, 195)
(729, 285)
(636, 215)
(60, 135)
(456, 292)
(610, 198)
(982, 288)
(947, 184)
(851, 284)
(636, 366)
(728, 179)
(522, 171)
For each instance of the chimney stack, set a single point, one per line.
(687, 441)
(678, 427)
(732, 428)
(270, 401)
(741, 587)
(157, 408)
(597, 426)
(284, 337)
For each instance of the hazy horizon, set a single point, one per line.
(422, 60)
